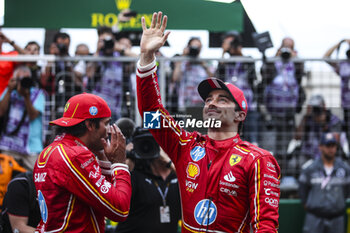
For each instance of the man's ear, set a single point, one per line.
(240, 116)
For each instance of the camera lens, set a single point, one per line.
(286, 53)
(145, 146)
(194, 51)
(63, 49)
(316, 110)
(108, 46)
(27, 82)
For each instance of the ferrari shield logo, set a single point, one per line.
(234, 159)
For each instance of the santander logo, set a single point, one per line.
(229, 177)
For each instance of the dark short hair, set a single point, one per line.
(104, 29)
(62, 35)
(192, 39)
(77, 130)
(32, 43)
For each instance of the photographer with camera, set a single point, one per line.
(107, 77)
(342, 68)
(58, 78)
(190, 73)
(281, 97)
(317, 120)
(242, 75)
(22, 108)
(155, 201)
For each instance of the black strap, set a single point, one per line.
(32, 190)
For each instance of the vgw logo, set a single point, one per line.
(151, 120)
(205, 212)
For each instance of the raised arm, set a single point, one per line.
(332, 49)
(170, 137)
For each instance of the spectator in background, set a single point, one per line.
(58, 77)
(282, 97)
(80, 67)
(108, 76)
(317, 121)
(155, 201)
(22, 105)
(7, 67)
(9, 168)
(323, 188)
(129, 77)
(21, 210)
(342, 68)
(189, 74)
(242, 75)
(33, 48)
(48, 77)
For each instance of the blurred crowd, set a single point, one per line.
(31, 95)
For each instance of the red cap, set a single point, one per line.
(81, 107)
(210, 84)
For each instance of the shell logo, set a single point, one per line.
(192, 170)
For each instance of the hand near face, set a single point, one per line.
(115, 149)
(12, 84)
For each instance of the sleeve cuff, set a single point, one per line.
(144, 71)
(119, 166)
(105, 167)
(104, 164)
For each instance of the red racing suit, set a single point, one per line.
(76, 191)
(225, 186)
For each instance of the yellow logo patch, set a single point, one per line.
(235, 159)
(66, 107)
(192, 170)
(43, 157)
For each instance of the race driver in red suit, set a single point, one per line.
(76, 190)
(226, 184)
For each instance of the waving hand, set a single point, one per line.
(153, 37)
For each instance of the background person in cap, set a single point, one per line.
(317, 120)
(76, 190)
(323, 188)
(226, 184)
